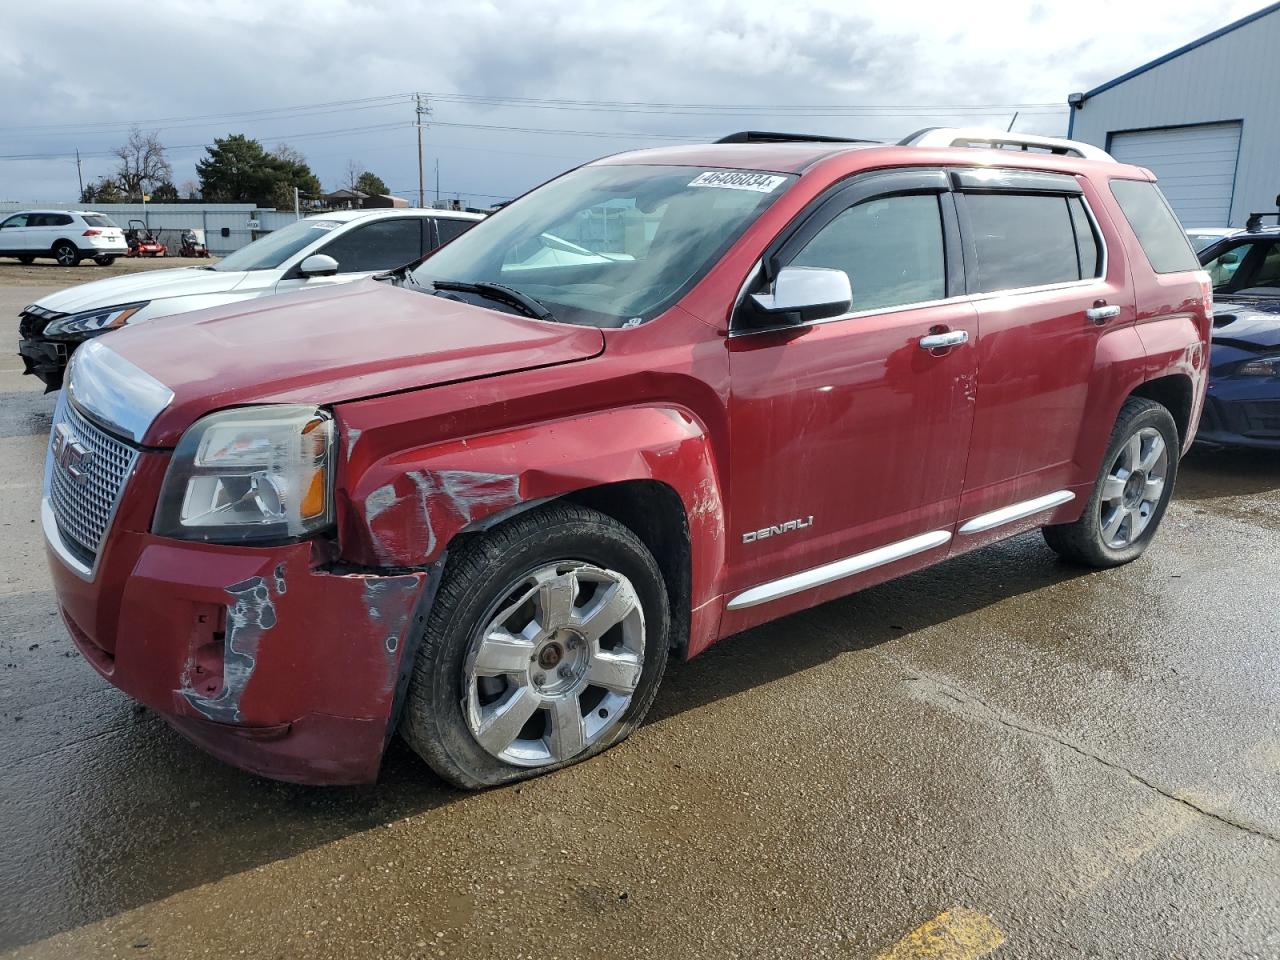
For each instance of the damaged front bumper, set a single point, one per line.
(263, 656)
(46, 359)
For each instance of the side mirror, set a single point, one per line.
(806, 294)
(318, 265)
(1228, 258)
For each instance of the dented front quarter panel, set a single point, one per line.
(418, 469)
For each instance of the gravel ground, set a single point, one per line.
(1001, 756)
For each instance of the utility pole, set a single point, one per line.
(437, 180)
(297, 213)
(79, 174)
(421, 110)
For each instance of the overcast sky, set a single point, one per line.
(75, 74)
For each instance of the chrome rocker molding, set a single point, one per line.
(1016, 511)
(838, 570)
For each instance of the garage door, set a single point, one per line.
(1196, 166)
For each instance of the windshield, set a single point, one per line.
(267, 253)
(1201, 240)
(610, 244)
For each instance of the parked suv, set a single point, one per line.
(67, 236)
(325, 249)
(482, 501)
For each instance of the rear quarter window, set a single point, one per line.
(1161, 236)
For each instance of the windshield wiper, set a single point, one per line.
(500, 292)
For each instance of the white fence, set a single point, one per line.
(225, 225)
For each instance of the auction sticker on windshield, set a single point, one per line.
(738, 180)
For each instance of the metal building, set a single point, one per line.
(1204, 118)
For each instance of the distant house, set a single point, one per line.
(384, 200)
(357, 200)
(346, 199)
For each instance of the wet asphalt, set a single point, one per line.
(1001, 756)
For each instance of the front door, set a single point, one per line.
(13, 234)
(849, 436)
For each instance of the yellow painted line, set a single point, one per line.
(955, 934)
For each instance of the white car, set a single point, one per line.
(67, 236)
(325, 249)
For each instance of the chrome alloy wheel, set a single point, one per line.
(65, 255)
(1132, 488)
(556, 664)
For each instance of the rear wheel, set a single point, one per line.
(27, 260)
(1132, 491)
(545, 646)
(66, 254)
(103, 260)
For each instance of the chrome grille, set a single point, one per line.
(83, 505)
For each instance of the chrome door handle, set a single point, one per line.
(1102, 314)
(939, 341)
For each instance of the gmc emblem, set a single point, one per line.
(70, 454)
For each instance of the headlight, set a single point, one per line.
(94, 321)
(250, 474)
(1262, 367)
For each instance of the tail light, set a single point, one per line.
(91, 233)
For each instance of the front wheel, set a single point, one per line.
(545, 646)
(66, 254)
(1133, 489)
(104, 261)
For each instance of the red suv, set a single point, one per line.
(660, 399)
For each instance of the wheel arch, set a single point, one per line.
(1176, 393)
(651, 468)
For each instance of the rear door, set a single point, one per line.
(1046, 292)
(449, 228)
(849, 436)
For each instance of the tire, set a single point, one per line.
(26, 261)
(66, 254)
(462, 689)
(1124, 511)
(104, 261)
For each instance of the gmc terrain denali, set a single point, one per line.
(479, 501)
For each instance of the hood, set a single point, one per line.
(145, 285)
(355, 340)
(1249, 324)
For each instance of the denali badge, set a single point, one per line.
(776, 529)
(70, 454)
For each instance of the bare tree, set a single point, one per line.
(289, 155)
(141, 163)
(351, 176)
(190, 189)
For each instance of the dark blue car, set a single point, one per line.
(1243, 407)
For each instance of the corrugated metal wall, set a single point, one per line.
(170, 219)
(1233, 77)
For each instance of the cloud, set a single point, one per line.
(72, 66)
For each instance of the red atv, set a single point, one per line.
(142, 242)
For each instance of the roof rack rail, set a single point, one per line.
(1255, 220)
(764, 136)
(1002, 140)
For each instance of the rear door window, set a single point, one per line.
(1026, 240)
(1163, 241)
(890, 247)
(381, 245)
(59, 219)
(450, 228)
